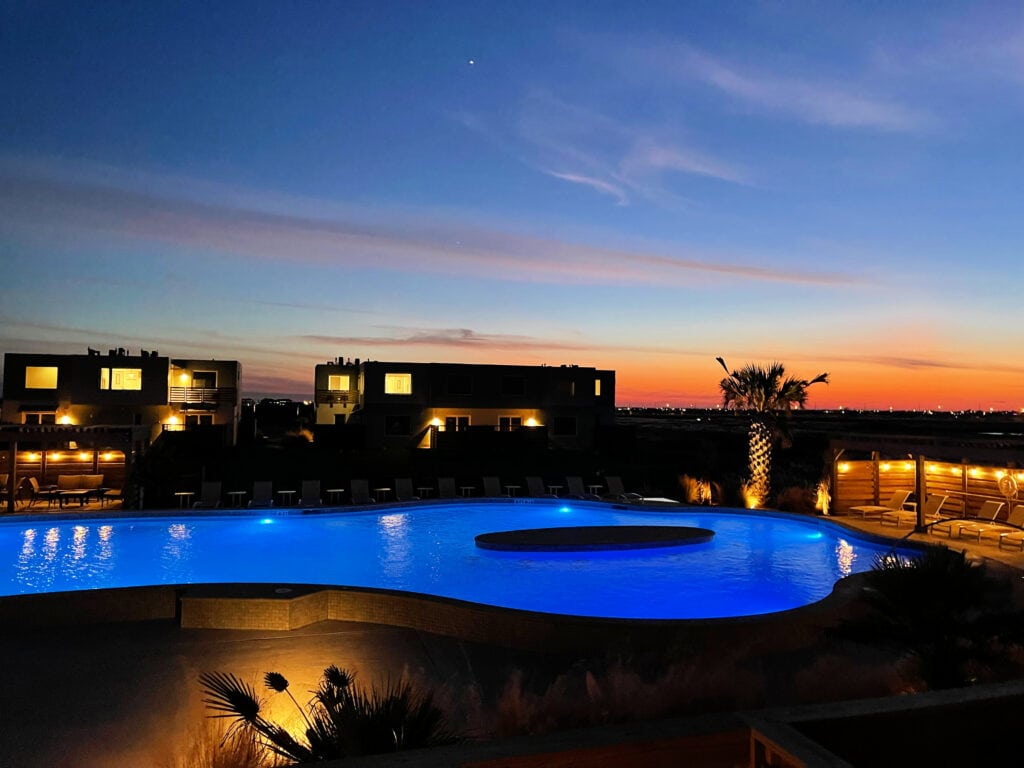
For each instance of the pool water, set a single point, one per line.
(755, 563)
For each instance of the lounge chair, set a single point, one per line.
(988, 513)
(360, 491)
(446, 487)
(932, 506)
(535, 488)
(262, 494)
(1016, 538)
(575, 485)
(896, 501)
(492, 486)
(310, 496)
(617, 492)
(209, 495)
(403, 489)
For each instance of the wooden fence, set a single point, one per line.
(967, 485)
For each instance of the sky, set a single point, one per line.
(633, 186)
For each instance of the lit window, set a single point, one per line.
(338, 383)
(397, 383)
(597, 387)
(120, 378)
(40, 377)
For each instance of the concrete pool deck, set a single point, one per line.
(123, 693)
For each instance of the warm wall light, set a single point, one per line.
(956, 471)
(907, 466)
(932, 468)
(65, 419)
(83, 456)
(885, 466)
(999, 474)
(108, 456)
(973, 472)
(844, 467)
(435, 422)
(33, 457)
(172, 419)
(55, 457)
(531, 422)
(183, 377)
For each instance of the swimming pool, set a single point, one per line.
(756, 563)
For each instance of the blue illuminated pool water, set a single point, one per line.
(755, 564)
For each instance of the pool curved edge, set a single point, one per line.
(276, 607)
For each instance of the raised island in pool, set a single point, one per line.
(593, 538)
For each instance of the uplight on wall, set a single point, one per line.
(55, 456)
(973, 471)
(65, 419)
(33, 457)
(531, 422)
(844, 467)
(907, 466)
(885, 467)
(108, 456)
(956, 471)
(83, 456)
(435, 422)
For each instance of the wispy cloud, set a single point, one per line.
(40, 205)
(601, 186)
(815, 100)
(464, 338)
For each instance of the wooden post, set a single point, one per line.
(920, 489)
(875, 479)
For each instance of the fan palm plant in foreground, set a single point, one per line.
(340, 720)
(768, 396)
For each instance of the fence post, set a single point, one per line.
(875, 479)
(920, 489)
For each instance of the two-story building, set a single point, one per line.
(121, 389)
(418, 404)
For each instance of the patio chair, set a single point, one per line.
(262, 494)
(359, 491)
(1016, 538)
(310, 496)
(492, 486)
(617, 492)
(535, 488)
(896, 501)
(574, 483)
(932, 505)
(989, 512)
(446, 487)
(403, 489)
(50, 493)
(209, 495)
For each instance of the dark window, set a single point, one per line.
(40, 418)
(460, 384)
(513, 385)
(195, 419)
(563, 425)
(397, 425)
(456, 423)
(509, 423)
(204, 379)
(566, 388)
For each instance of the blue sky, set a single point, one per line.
(640, 187)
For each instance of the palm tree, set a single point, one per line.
(768, 395)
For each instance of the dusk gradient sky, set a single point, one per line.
(634, 186)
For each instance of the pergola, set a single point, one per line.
(125, 438)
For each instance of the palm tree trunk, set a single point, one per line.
(760, 460)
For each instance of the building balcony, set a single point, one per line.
(334, 397)
(214, 395)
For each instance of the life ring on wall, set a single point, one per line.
(1008, 486)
